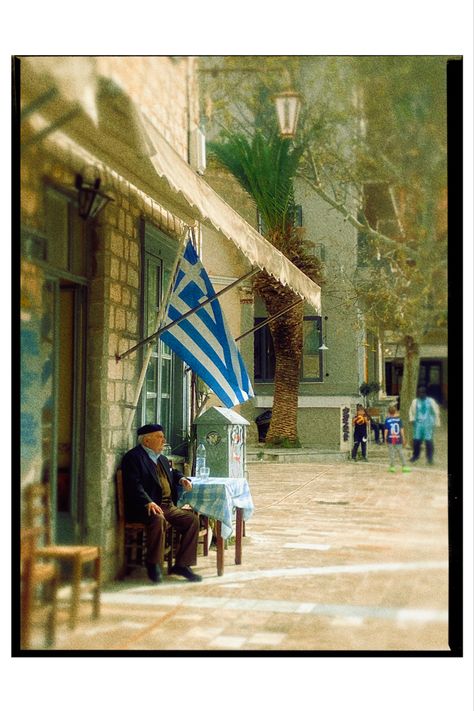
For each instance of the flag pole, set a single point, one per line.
(185, 316)
(270, 318)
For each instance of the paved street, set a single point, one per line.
(336, 557)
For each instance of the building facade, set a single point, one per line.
(93, 289)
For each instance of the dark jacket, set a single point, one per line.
(141, 483)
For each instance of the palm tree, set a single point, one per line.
(265, 166)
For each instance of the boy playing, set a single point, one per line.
(360, 422)
(394, 435)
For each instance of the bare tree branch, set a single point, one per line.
(349, 217)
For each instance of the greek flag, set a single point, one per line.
(203, 340)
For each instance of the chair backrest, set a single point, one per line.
(373, 412)
(38, 511)
(120, 499)
(28, 538)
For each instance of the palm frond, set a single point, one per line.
(265, 166)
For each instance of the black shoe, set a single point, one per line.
(185, 572)
(413, 460)
(154, 573)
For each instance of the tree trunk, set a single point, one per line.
(287, 335)
(411, 367)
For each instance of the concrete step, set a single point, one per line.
(304, 454)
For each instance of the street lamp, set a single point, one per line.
(287, 104)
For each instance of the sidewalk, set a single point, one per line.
(336, 557)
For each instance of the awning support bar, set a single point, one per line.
(49, 129)
(38, 103)
(270, 318)
(186, 315)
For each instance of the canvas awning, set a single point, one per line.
(103, 119)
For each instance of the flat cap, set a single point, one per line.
(148, 429)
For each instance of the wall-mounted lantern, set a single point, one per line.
(90, 199)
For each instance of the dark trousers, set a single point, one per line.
(377, 430)
(186, 522)
(363, 446)
(417, 448)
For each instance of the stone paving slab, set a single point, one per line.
(337, 557)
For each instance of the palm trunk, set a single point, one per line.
(287, 335)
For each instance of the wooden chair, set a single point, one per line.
(36, 577)
(203, 536)
(132, 538)
(38, 514)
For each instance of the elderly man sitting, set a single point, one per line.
(151, 494)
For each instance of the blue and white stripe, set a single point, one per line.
(203, 340)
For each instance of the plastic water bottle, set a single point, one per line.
(200, 458)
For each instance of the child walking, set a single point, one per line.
(394, 435)
(360, 422)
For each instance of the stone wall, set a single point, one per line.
(162, 87)
(114, 327)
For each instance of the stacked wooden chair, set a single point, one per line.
(38, 515)
(39, 586)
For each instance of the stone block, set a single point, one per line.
(113, 344)
(133, 254)
(131, 321)
(119, 391)
(132, 278)
(126, 298)
(115, 416)
(116, 243)
(111, 392)
(115, 370)
(129, 370)
(119, 318)
(115, 293)
(117, 439)
(114, 268)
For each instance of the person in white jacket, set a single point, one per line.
(424, 413)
